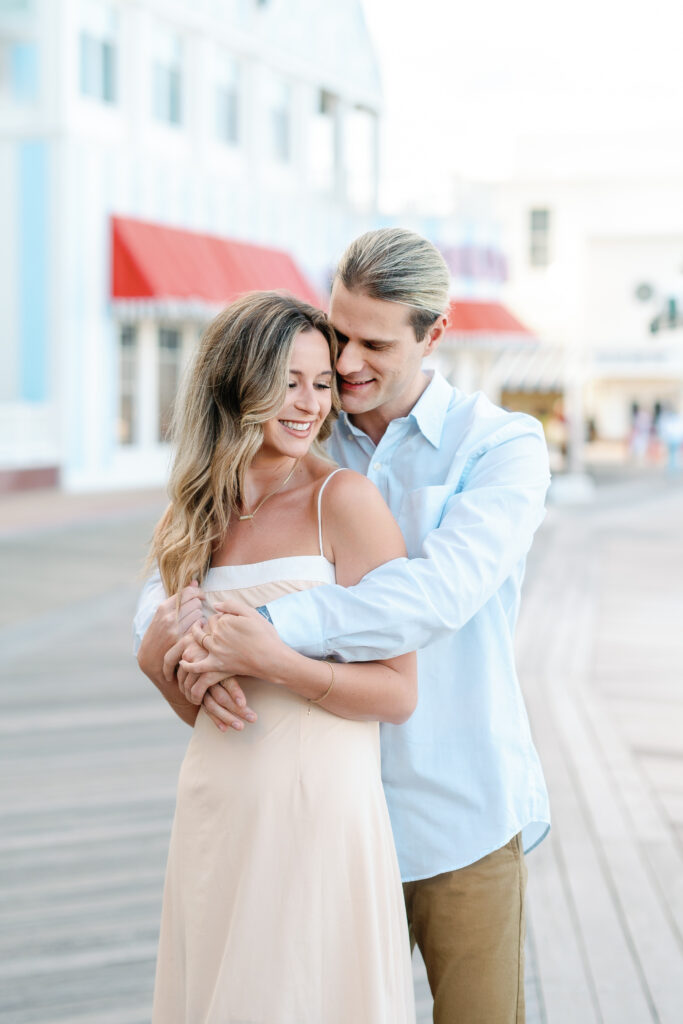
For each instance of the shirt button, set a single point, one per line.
(377, 465)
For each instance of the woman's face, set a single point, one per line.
(308, 401)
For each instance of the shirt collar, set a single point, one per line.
(429, 412)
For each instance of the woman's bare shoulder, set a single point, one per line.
(358, 526)
(347, 485)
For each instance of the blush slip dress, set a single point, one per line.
(283, 900)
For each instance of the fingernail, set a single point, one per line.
(236, 725)
(250, 717)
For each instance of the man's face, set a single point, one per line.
(379, 365)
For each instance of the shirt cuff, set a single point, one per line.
(297, 622)
(141, 625)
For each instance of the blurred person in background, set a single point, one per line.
(283, 898)
(670, 432)
(467, 483)
(641, 433)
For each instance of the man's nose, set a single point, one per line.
(350, 359)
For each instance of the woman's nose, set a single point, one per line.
(307, 400)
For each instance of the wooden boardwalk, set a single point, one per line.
(601, 657)
(89, 759)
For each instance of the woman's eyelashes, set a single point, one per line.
(319, 385)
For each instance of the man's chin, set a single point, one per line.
(354, 405)
(358, 401)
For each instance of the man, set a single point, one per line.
(466, 482)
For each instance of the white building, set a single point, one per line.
(484, 336)
(596, 262)
(251, 120)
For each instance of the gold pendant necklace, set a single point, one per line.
(286, 480)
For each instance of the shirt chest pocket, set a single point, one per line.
(421, 512)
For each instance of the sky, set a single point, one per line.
(489, 88)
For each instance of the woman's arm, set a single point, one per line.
(359, 534)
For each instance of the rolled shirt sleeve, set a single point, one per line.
(151, 596)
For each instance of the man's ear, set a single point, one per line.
(435, 335)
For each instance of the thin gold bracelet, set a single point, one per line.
(319, 700)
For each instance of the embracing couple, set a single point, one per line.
(294, 583)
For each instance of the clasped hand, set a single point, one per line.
(237, 641)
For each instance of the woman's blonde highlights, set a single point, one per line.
(237, 381)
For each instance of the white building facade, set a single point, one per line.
(252, 120)
(596, 269)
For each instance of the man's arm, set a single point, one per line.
(407, 604)
(160, 625)
(151, 596)
(162, 634)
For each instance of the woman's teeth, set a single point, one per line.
(301, 427)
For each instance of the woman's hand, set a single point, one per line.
(191, 652)
(223, 698)
(239, 641)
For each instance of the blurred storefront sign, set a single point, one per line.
(473, 262)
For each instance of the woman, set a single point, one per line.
(283, 902)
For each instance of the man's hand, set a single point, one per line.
(160, 649)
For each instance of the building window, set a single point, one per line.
(167, 78)
(169, 377)
(128, 386)
(228, 100)
(359, 156)
(323, 152)
(539, 237)
(280, 114)
(97, 46)
(18, 71)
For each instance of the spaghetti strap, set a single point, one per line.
(320, 497)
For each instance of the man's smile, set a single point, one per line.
(352, 385)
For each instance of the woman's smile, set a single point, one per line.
(300, 427)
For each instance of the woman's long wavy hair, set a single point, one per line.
(237, 381)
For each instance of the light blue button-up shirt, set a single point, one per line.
(467, 483)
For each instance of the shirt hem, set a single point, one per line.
(465, 864)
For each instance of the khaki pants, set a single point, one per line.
(469, 926)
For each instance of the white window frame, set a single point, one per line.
(167, 78)
(98, 52)
(228, 93)
(129, 386)
(540, 219)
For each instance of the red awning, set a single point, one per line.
(470, 317)
(154, 262)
